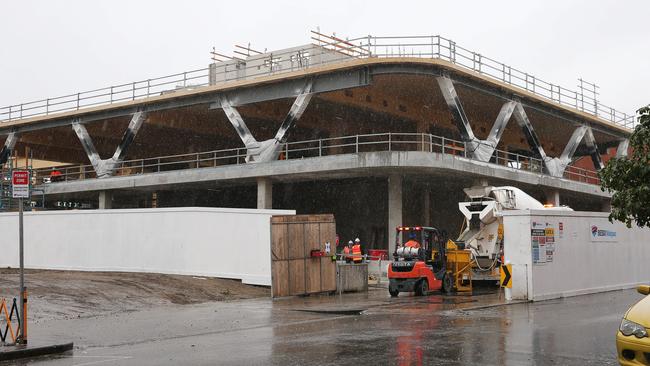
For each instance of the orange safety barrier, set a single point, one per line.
(8, 318)
(10, 315)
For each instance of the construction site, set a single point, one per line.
(391, 170)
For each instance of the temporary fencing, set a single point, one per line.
(9, 318)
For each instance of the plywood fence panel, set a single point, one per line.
(296, 241)
(295, 272)
(297, 277)
(328, 268)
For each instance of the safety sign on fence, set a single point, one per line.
(506, 276)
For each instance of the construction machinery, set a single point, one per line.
(419, 269)
(452, 265)
(482, 232)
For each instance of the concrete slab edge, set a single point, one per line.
(29, 352)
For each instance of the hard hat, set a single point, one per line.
(350, 242)
(357, 240)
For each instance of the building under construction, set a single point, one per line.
(379, 131)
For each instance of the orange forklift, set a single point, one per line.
(422, 269)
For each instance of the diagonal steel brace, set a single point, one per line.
(106, 167)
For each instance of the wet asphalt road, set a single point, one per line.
(434, 330)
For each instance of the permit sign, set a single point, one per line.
(20, 183)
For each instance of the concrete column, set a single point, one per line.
(426, 215)
(105, 200)
(553, 198)
(264, 193)
(394, 209)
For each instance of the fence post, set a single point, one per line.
(442, 145)
(78, 97)
(452, 51)
(133, 90)
(320, 147)
(356, 144)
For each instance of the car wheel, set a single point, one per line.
(393, 293)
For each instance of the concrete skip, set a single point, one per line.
(352, 277)
(558, 254)
(213, 242)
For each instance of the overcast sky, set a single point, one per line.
(50, 48)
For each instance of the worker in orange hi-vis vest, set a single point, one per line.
(357, 256)
(347, 251)
(412, 243)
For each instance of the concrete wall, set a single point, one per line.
(215, 242)
(569, 258)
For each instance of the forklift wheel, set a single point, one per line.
(393, 293)
(447, 283)
(422, 288)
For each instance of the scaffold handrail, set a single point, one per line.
(337, 50)
(313, 148)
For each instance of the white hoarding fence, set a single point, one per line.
(566, 253)
(213, 242)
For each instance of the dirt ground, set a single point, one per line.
(76, 294)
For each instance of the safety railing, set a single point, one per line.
(309, 149)
(327, 50)
(438, 47)
(109, 95)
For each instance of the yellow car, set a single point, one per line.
(632, 340)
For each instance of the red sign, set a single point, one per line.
(20, 178)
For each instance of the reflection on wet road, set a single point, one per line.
(434, 330)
